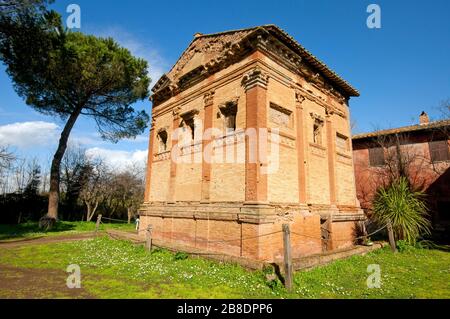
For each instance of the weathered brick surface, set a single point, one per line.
(342, 234)
(269, 95)
(239, 239)
(228, 173)
(160, 171)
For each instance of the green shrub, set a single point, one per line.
(404, 208)
(268, 269)
(271, 278)
(180, 256)
(404, 246)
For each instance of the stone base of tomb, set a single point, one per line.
(252, 230)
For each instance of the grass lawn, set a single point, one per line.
(119, 269)
(31, 229)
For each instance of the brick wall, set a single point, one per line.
(238, 239)
(328, 171)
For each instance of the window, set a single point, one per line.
(317, 131)
(376, 156)
(229, 111)
(188, 126)
(191, 125)
(439, 151)
(162, 139)
(341, 142)
(317, 128)
(280, 116)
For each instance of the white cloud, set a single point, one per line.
(94, 140)
(117, 158)
(138, 139)
(83, 138)
(29, 134)
(157, 64)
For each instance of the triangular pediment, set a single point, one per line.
(207, 54)
(204, 49)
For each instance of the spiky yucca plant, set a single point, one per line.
(404, 208)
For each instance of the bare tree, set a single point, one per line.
(129, 186)
(444, 109)
(71, 165)
(73, 170)
(19, 176)
(6, 159)
(45, 179)
(401, 157)
(96, 185)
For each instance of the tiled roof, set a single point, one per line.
(304, 53)
(404, 129)
(322, 67)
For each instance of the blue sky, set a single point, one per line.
(400, 70)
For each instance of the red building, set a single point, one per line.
(420, 151)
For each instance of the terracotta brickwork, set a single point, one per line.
(260, 93)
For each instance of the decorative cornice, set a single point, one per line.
(227, 103)
(162, 82)
(255, 77)
(176, 112)
(234, 47)
(208, 98)
(190, 113)
(329, 110)
(163, 129)
(280, 108)
(299, 97)
(224, 45)
(317, 116)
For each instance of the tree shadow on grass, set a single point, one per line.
(31, 229)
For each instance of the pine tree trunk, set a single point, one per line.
(53, 197)
(129, 215)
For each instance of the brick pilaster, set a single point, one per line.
(206, 165)
(301, 147)
(173, 163)
(148, 176)
(331, 147)
(255, 85)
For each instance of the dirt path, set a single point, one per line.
(46, 240)
(21, 283)
(16, 282)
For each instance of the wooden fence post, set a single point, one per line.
(148, 243)
(97, 224)
(391, 237)
(287, 257)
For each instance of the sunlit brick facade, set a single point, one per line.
(263, 81)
